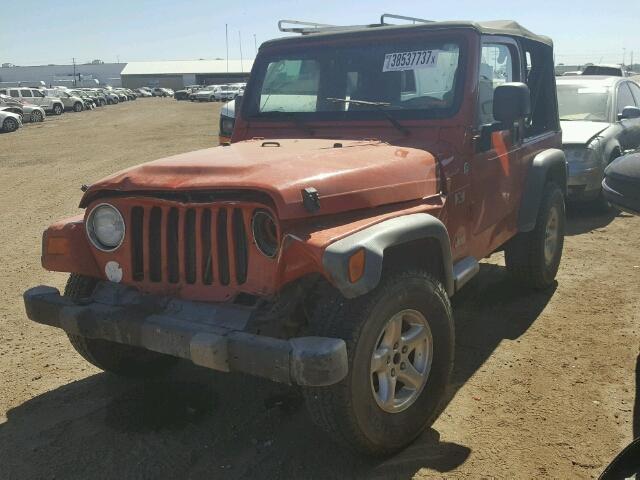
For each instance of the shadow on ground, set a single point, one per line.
(202, 424)
(584, 218)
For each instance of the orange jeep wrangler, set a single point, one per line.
(370, 169)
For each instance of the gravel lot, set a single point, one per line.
(544, 383)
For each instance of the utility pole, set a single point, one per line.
(74, 71)
(240, 39)
(226, 36)
(624, 53)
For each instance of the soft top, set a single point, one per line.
(493, 27)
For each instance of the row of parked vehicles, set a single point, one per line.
(20, 105)
(211, 93)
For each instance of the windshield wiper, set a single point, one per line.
(378, 106)
(289, 116)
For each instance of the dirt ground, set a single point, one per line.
(543, 387)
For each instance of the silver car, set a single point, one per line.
(600, 120)
(9, 121)
(36, 97)
(30, 113)
(69, 100)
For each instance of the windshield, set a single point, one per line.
(583, 102)
(416, 77)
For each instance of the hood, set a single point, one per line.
(359, 174)
(580, 132)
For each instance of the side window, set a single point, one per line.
(635, 89)
(542, 87)
(26, 93)
(497, 66)
(624, 99)
(14, 93)
(37, 93)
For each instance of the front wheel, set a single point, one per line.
(36, 116)
(116, 358)
(58, 109)
(10, 125)
(533, 258)
(77, 107)
(400, 344)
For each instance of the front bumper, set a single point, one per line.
(210, 335)
(584, 183)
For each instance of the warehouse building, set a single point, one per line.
(178, 73)
(86, 74)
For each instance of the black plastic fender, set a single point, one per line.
(374, 240)
(549, 163)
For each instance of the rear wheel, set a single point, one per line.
(400, 344)
(58, 109)
(77, 107)
(533, 258)
(123, 360)
(10, 124)
(36, 116)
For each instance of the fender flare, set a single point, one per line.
(551, 162)
(609, 148)
(374, 240)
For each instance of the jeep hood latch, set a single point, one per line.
(310, 199)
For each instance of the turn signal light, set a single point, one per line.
(57, 246)
(356, 266)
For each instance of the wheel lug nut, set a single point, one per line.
(393, 372)
(402, 366)
(395, 346)
(388, 360)
(404, 349)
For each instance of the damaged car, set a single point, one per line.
(600, 120)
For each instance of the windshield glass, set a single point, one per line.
(416, 77)
(583, 102)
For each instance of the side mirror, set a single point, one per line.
(511, 102)
(629, 112)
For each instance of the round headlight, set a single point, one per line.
(105, 227)
(265, 233)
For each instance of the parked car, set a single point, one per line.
(185, 93)
(600, 119)
(36, 97)
(621, 184)
(87, 100)
(99, 99)
(227, 122)
(207, 94)
(30, 113)
(227, 92)
(144, 92)
(71, 101)
(162, 92)
(112, 97)
(9, 121)
(322, 247)
(607, 70)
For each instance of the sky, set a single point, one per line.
(129, 30)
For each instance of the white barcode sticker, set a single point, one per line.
(394, 62)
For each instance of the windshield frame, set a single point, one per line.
(253, 90)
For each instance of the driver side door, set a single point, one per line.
(495, 163)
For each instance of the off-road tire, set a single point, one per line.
(116, 358)
(348, 410)
(525, 253)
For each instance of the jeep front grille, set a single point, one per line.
(191, 245)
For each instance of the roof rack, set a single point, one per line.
(308, 28)
(303, 28)
(402, 17)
